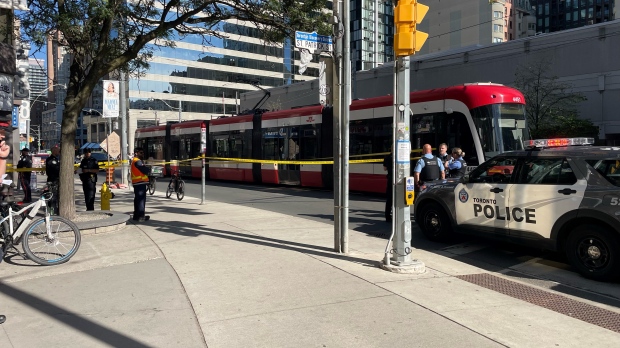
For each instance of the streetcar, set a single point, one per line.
(483, 119)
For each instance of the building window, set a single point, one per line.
(498, 28)
(497, 14)
(531, 26)
(497, 40)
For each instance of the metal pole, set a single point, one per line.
(346, 101)
(337, 106)
(124, 134)
(180, 111)
(203, 182)
(28, 132)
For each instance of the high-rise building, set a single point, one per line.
(556, 15)
(372, 32)
(37, 78)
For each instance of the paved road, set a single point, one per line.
(548, 269)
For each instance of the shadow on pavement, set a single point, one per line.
(75, 321)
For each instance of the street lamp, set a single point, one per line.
(58, 125)
(155, 111)
(32, 104)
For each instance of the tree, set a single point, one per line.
(549, 103)
(104, 36)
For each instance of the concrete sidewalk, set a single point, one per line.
(221, 275)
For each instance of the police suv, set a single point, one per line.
(559, 194)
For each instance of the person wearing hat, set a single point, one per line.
(90, 168)
(25, 161)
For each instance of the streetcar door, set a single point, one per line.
(289, 151)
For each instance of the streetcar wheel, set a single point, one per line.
(594, 251)
(181, 190)
(434, 223)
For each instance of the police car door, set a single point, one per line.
(481, 199)
(545, 189)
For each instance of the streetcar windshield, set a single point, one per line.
(501, 128)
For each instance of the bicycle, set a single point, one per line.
(52, 187)
(150, 187)
(176, 185)
(49, 240)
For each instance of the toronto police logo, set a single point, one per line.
(463, 196)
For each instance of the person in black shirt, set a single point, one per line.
(387, 166)
(90, 168)
(52, 165)
(25, 161)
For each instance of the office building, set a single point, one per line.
(556, 15)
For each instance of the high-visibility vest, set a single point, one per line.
(137, 176)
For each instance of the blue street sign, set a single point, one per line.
(15, 118)
(313, 41)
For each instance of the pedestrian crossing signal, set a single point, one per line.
(407, 39)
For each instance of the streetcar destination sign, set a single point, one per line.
(313, 41)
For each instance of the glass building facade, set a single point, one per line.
(372, 33)
(555, 15)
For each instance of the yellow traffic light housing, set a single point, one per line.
(407, 39)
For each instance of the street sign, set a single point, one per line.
(313, 41)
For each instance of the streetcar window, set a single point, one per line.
(220, 146)
(434, 129)
(175, 149)
(271, 143)
(370, 136)
(309, 147)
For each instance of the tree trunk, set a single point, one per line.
(67, 157)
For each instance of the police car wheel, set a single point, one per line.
(434, 223)
(595, 252)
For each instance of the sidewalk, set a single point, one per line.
(230, 276)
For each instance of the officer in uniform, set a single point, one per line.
(52, 170)
(90, 168)
(25, 161)
(139, 180)
(443, 153)
(457, 165)
(428, 168)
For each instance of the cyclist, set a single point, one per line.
(139, 180)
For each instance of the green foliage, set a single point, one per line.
(566, 127)
(550, 104)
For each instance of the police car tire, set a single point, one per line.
(605, 241)
(432, 213)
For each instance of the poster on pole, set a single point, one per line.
(110, 98)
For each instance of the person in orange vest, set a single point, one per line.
(139, 180)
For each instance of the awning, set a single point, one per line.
(90, 146)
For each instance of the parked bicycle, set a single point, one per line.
(150, 187)
(176, 185)
(52, 188)
(49, 240)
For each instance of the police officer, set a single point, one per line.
(428, 168)
(52, 170)
(90, 168)
(457, 165)
(388, 167)
(443, 153)
(52, 165)
(139, 180)
(25, 161)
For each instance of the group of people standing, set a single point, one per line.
(427, 169)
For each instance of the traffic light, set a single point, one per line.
(408, 40)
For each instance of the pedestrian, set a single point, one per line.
(457, 165)
(25, 161)
(52, 170)
(443, 153)
(139, 180)
(428, 168)
(90, 168)
(5, 150)
(389, 168)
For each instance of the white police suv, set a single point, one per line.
(559, 194)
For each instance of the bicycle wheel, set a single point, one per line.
(170, 189)
(181, 190)
(64, 243)
(152, 183)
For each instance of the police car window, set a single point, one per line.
(496, 170)
(548, 171)
(609, 169)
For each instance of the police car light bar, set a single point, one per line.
(559, 142)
